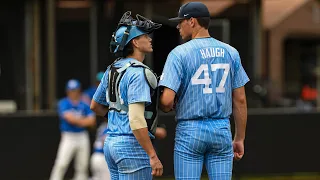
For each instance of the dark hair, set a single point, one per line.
(204, 22)
(127, 50)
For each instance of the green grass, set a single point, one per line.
(269, 177)
(296, 176)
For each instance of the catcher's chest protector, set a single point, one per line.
(116, 102)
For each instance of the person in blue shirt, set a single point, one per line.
(203, 80)
(123, 97)
(99, 167)
(75, 116)
(88, 93)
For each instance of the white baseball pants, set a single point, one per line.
(72, 145)
(99, 167)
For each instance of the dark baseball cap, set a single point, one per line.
(192, 9)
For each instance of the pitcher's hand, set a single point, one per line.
(238, 149)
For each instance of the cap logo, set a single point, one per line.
(185, 15)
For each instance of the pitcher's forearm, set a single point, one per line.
(240, 118)
(239, 104)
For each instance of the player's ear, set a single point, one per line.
(192, 22)
(135, 43)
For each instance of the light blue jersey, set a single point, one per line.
(125, 157)
(133, 88)
(80, 109)
(203, 72)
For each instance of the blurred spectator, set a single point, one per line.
(75, 116)
(88, 93)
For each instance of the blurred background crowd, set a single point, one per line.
(44, 43)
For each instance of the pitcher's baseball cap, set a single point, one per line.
(191, 9)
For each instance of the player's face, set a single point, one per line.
(185, 29)
(143, 43)
(74, 94)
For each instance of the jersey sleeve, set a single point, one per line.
(240, 77)
(172, 72)
(63, 107)
(138, 88)
(101, 92)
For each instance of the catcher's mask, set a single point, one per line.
(129, 28)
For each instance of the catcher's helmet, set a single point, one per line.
(128, 29)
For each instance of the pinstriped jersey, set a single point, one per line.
(203, 72)
(133, 88)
